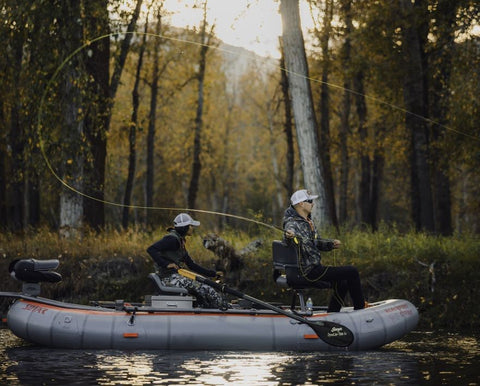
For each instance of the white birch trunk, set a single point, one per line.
(71, 202)
(72, 168)
(71, 213)
(302, 104)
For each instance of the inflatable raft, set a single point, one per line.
(171, 322)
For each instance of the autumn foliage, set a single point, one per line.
(398, 153)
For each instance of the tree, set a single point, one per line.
(288, 130)
(324, 35)
(202, 62)
(17, 136)
(415, 95)
(132, 137)
(344, 129)
(304, 115)
(96, 20)
(461, 140)
(15, 172)
(102, 92)
(444, 19)
(263, 98)
(410, 76)
(168, 74)
(72, 169)
(152, 120)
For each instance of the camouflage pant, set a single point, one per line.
(206, 296)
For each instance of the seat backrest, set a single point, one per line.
(166, 290)
(285, 260)
(284, 256)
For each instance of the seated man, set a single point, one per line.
(299, 229)
(170, 253)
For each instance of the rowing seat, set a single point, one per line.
(32, 272)
(286, 273)
(35, 271)
(166, 290)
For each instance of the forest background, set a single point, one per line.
(111, 119)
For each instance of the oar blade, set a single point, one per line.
(332, 333)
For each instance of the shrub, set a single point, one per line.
(440, 275)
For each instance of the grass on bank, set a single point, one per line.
(440, 275)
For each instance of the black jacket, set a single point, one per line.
(171, 249)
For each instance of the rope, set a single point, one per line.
(299, 263)
(335, 294)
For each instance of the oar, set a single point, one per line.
(330, 332)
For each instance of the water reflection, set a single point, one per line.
(219, 368)
(31, 365)
(422, 359)
(444, 359)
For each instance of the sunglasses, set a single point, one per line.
(309, 201)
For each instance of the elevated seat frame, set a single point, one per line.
(287, 274)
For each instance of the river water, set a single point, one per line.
(421, 358)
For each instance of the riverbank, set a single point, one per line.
(439, 275)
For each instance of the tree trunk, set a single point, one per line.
(222, 194)
(442, 56)
(345, 112)
(377, 177)
(17, 143)
(72, 169)
(97, 110)
(99, 118)
(132, 137)
(197, 146)
(122, 57)
(288, 127)
(152, 122)
(415, 96)
(304, 115)
(365, 189)
(324, 132)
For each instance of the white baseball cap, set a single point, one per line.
(183, 219)
(302, 195)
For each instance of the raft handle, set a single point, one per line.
(131, 322)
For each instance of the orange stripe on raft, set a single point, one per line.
(155, 313)
(310, 336)
(130, 335)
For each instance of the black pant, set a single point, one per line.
(343, 279)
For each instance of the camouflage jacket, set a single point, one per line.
(307, 239)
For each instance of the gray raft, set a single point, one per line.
(178, 326)
(171, 322)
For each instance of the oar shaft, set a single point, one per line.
(211, 283)
(239, 294)
(321, 328)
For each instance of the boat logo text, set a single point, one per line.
(336, 331)
(37, 309)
